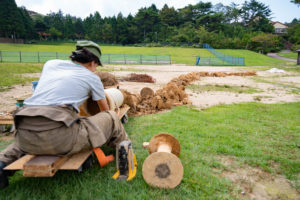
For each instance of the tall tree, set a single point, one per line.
(69, 28)
(11, 24)
(27, 21)
(148, 21)
(253, 11)
(169, 16)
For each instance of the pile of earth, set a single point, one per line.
(172, 94)
(148, 101)
(144, 78)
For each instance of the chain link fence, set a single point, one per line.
(220, 59)
(41, 57)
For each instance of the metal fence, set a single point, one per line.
(40, 57)
(220, 59)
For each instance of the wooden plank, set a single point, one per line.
(7, 121)
(43, 166)
(18, 164)
(75, 161)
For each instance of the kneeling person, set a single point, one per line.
(48, 123)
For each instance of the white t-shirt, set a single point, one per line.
(64, 82)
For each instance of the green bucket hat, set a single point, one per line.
(91, 46)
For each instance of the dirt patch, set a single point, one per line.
(107, 79)
(163, 74)
(145, 78)
(172, 94)
(257, 184)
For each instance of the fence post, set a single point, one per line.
(170, 59)
(38, 56)
(1, 55)
(108, 58)
(156, 59)
(141, 59)
(56, 55)
(20, 56)
(223, 60)
(124, 58)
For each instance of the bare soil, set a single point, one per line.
(163, 74)
(255, 183)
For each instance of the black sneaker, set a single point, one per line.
(3, 176)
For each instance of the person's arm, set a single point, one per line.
(103, 105)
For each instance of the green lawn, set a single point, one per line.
(178, 55)
(253, 58)
(289, 55)
(255, 134)
(11, 73)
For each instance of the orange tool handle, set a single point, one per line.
(102, 158)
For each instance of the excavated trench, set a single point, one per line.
(148, 101)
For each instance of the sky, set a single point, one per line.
(282, 10)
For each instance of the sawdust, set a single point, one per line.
(133, 77)
(255, 183)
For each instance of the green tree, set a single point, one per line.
(296, 2)
(265, 42)
(294, 33)
(79, 29)
(121, 29)
(11, 24)
(55, 34)
(148, 22)
(69, 28)
(29, 32)
(253, 11)
(169, 16)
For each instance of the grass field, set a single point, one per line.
(258, 135)
(289, 55)
(11, 73)
(252, 58)
(178, 55)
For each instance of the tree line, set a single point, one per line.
(235, 26)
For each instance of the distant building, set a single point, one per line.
(279, 27)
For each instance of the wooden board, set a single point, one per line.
(6, 119)
(74, 162)
(43, 166)
(46, 166)
(18, 164)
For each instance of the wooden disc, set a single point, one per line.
(163, 170)
(165, 138)
(147, 93)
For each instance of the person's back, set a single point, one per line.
(64, 82)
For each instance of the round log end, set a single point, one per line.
(163, 170)
(164, 138)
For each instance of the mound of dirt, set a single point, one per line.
(139, 78)
(107, 79)
(148, 101)
(172, 94)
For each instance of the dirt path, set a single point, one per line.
(275, 55)
(272, 92)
